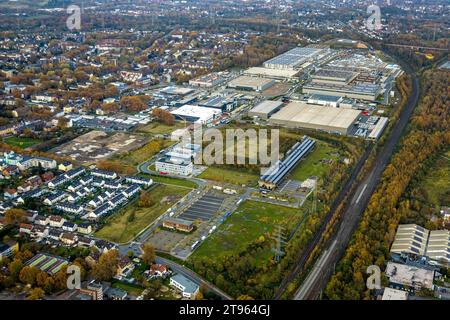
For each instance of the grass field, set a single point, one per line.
(138, 156)
(159, 128)
(121, 228)
(227, 175)
(132, 289)
(248, 223)
(437, 184)
(22, 142)
(313, 165)
(173, 181)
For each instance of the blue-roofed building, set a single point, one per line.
(188, 288)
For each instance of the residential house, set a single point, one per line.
(158, 270)
(57, 182)
(69, 226)
(39, 231)
(69, 238)
(55, 234)
(125, 267)
(146, 182)
(104, 246)
(73, 173)
(85, 242)
(115, 294)
(56, 221)
(54, 198)
(26, 228)
(10, 193)
(131, 191)
(104, 174)
(70, 208)
(85, 228)
(65, 166)
(47, 176)
(41, 220)
(8, 249)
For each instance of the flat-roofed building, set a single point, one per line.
(247, 83)
(333, 76)
(196, 114)
(323, 100)
(172, 165)
(207, 81)
(410, 238)
(294, 58)
(377, 131)
(188, 288)
(438, 247)
(276, 74)
(394, 294)
(177, 91)
(178, 224)
(301, 115)
(265, 109)
(362, 91)
(409, 276)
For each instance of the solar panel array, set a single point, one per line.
(277, 172)
(204, 208)
(293, 57)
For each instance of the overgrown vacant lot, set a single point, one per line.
(22, 142)
(160, 128)
(138, 156)
(230, 175)
(436, 186)
(251, 221)
(315, 163)
(124, 225)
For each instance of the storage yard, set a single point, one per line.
(98, 145)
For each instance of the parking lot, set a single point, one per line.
(204, 208)
(290, 186)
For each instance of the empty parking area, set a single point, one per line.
(289, 186)
(204, 208)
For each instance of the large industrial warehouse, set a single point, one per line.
(265, 109)
(363, 91)
(293, 58)
(301, 115)
(276, 74)
(251, 83)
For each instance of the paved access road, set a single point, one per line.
(191, 275)
(324, 267)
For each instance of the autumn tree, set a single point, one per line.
(28, 275)
(15, 216)
(163, 116)
(149, 254)
(133, 104)
(36, 294)
(106, 268)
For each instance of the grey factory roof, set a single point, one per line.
(266, 106)
(293, 57)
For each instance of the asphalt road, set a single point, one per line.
(324, 267)
(191, 275)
